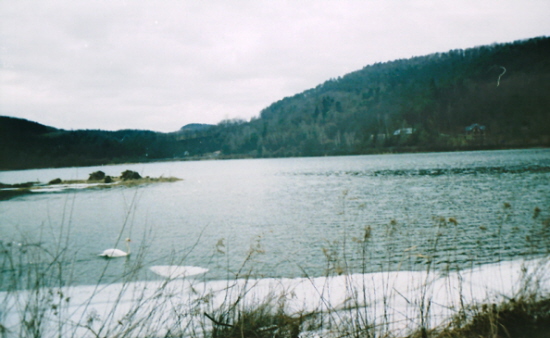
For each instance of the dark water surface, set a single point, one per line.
(286, 217)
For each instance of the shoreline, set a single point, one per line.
(211, 157)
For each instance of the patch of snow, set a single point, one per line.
(62, 187)
(176, 271)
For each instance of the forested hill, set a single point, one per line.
(427, 101)
(486, 97)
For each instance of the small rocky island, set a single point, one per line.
(96, 180)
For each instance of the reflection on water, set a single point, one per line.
(288, 217)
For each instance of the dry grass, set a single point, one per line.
(521, 318)
(117, 181)
(263, 320)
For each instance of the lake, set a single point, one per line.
(289, 217)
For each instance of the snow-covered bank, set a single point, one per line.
(390, 300)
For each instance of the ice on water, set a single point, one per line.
(385, 297)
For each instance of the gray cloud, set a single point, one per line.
(160, 65)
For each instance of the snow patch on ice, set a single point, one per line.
(177, 271)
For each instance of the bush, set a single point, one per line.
(130, 175)
(55, 181)
(96, 176)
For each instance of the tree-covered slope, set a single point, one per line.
(26, 144)
(431, 100)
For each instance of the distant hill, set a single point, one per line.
(479, 98)
(26, 144)
(18, 142)
(195, 127)
(21, 128)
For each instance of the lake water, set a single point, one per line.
(287, 217)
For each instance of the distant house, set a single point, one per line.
(475, 129)
(403, 131)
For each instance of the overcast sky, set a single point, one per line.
(159, 65)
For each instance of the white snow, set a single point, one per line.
(393, 300)
(68, 186)
(175, 271)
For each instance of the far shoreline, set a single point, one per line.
(214, 157)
